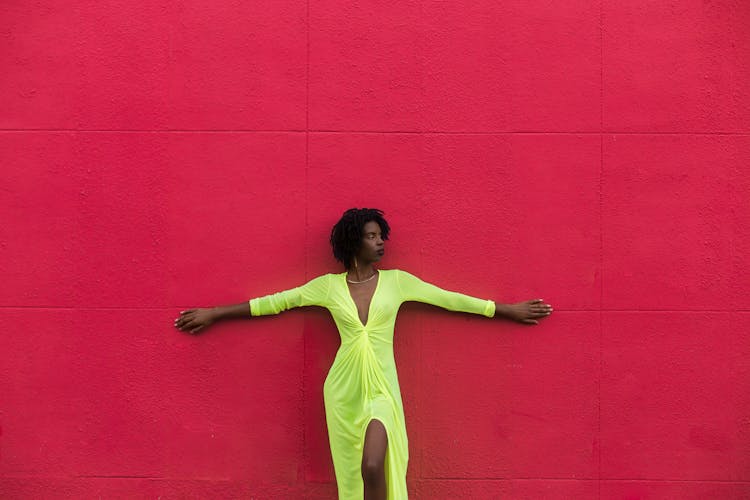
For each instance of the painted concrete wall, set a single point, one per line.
(158, 156)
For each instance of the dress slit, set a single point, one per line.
(388, 449)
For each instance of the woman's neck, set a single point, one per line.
(361, 272)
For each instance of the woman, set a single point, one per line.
(364, 411)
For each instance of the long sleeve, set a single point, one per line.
(414, 289)
(312, 293)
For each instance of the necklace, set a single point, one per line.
(363, 281)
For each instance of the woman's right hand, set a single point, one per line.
(529, 311)
(195, 320)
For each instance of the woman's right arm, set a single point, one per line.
(195, 320)
(314, 292)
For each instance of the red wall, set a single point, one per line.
(162, 156)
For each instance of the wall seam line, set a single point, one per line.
(305, 452)
(601, 249)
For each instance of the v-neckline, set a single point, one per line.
(369, 306)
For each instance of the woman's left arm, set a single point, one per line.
(414, 289)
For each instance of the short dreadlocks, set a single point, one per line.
(346, 235)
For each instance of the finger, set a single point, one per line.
(188, 316)
(197, 329)
(184, 321)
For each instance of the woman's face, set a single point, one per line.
(371, 249)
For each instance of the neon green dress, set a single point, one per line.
(362, 383)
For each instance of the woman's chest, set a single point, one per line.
(364, 306)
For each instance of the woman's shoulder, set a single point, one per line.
(398, 274)
(322, 278)
(395, 271)
(391, 272)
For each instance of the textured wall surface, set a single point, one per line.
(158, 156)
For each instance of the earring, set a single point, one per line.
(355, 263)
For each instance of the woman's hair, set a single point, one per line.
(346, 235)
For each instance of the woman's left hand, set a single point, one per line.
(528, 311)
